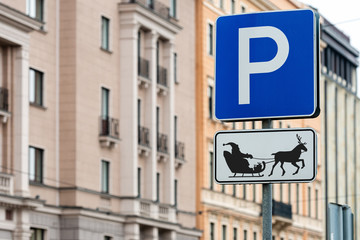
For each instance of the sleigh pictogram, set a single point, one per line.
(238, 162)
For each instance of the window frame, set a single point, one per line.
(173, 9)
(157, 187)
(211, 170)
(223, 231)
(35, 230)
(35, 9)
(105, 176)
(210, 38)
(139, 182)
(105, 103)
(36, 87)
(232, 6)
(36, 158)
(212, 231)
(105, 33)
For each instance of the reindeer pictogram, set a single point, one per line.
(290, 156)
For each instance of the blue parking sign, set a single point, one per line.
(267, 66)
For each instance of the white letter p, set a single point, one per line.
(246, 67)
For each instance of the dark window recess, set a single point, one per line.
(9, 214)
(4, 99)
(37, 234)
(36, 79)
(212, 231)
(143, 67)
(210, 102)
(36, 156)
(210, 39)
(157, 187)
(139, 182)
(161, 76)
(175, 192)
(211, 170)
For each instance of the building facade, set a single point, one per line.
(234, 211)
(340, 121)
(97, 139)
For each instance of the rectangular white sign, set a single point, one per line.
(265, 156)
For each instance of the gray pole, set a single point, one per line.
(267, 201)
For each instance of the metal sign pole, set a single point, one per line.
(267, 211)
(267, 200)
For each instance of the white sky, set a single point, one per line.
(345, 15)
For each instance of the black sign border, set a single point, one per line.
(271, 181)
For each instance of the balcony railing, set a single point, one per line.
(143, 136)
(162, 143)
(180, 150)
(154, 6)
(161, 76)
(109, 127)
(6, 183)
(281, 209)
(4, 104)
(143, 67)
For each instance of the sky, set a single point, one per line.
(345, 15)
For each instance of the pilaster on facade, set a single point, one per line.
(128, 107)
(21, 120)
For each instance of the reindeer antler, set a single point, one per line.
(299, 139)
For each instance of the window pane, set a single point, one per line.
(31, 85)
(210, 101)
(173, 8)
(32, 164)
(210, 39)
(212, 234)
(38, 87)
(104, 176)
(38, 165)
(105, 33)
(30, 8)
(224, 232)
(157, 187)
(211, 170)
(39, 9)
(104, 103)
(139, 182)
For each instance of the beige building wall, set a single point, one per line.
(151, 178)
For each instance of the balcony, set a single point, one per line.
(6, 184)
(109, 131)
(282, 214)
(161, 79)
(179, 153)
(4, 104)
(143, 140)
(162, 146)
(143, 72)
(155, 7)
